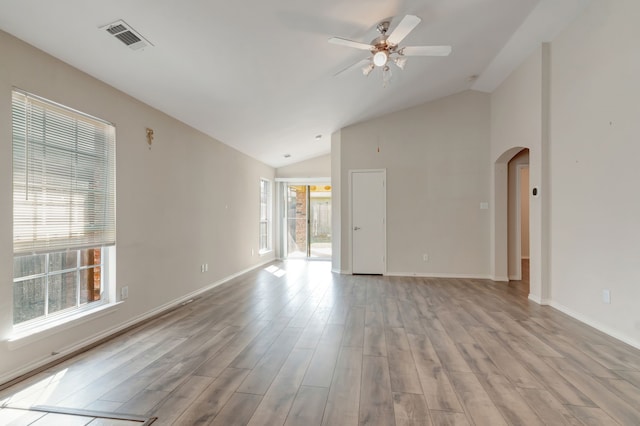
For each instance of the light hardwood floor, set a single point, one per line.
(294, 344)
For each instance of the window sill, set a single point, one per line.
(21, 338)
(264, 252)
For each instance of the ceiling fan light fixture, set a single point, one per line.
(386, 76)
(380, 58)
(400, 61)
(366, 70)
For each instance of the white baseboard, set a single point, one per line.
(437, 275)
(595, 324)
(535, 298)
(500, 278)
(59, 354)
(539, 300)
(515, 277)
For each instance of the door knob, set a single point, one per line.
(355, 228)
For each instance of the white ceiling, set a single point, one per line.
(258, 74)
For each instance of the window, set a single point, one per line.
(265, 215)
(50, 283)
(63, 209)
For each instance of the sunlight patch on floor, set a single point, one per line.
(274, 270)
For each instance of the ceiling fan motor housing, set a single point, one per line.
(380, 43)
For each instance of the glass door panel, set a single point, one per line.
(320, 221)
(296, 229)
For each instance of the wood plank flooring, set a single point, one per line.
(294, 344)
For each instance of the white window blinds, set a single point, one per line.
(63, 178)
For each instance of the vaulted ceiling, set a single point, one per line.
(259, 74)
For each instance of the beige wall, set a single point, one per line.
(516, 108)
(438, 172)
(189, 200)
(314, 167)
(595, 233)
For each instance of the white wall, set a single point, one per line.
(314, 167)
(438, 172)
(595, 125)
(187, 201)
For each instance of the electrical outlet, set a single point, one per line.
(206, 267)
(425, 257)
(124, 293)
(606, 296)
(252, 252)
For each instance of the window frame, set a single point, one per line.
(266, 200)
(48, 274)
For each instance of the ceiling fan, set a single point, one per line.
(385, 48)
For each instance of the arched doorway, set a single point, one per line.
(500, 228)
(518, 248)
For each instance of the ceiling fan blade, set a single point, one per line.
(350, 43)
(356, 65)
(425, 51)
(405, 26)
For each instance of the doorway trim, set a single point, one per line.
(304, 181)
(500, 252)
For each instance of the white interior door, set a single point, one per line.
(368, 228)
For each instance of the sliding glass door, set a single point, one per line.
(307, 230)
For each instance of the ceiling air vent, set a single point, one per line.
(130, 37)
